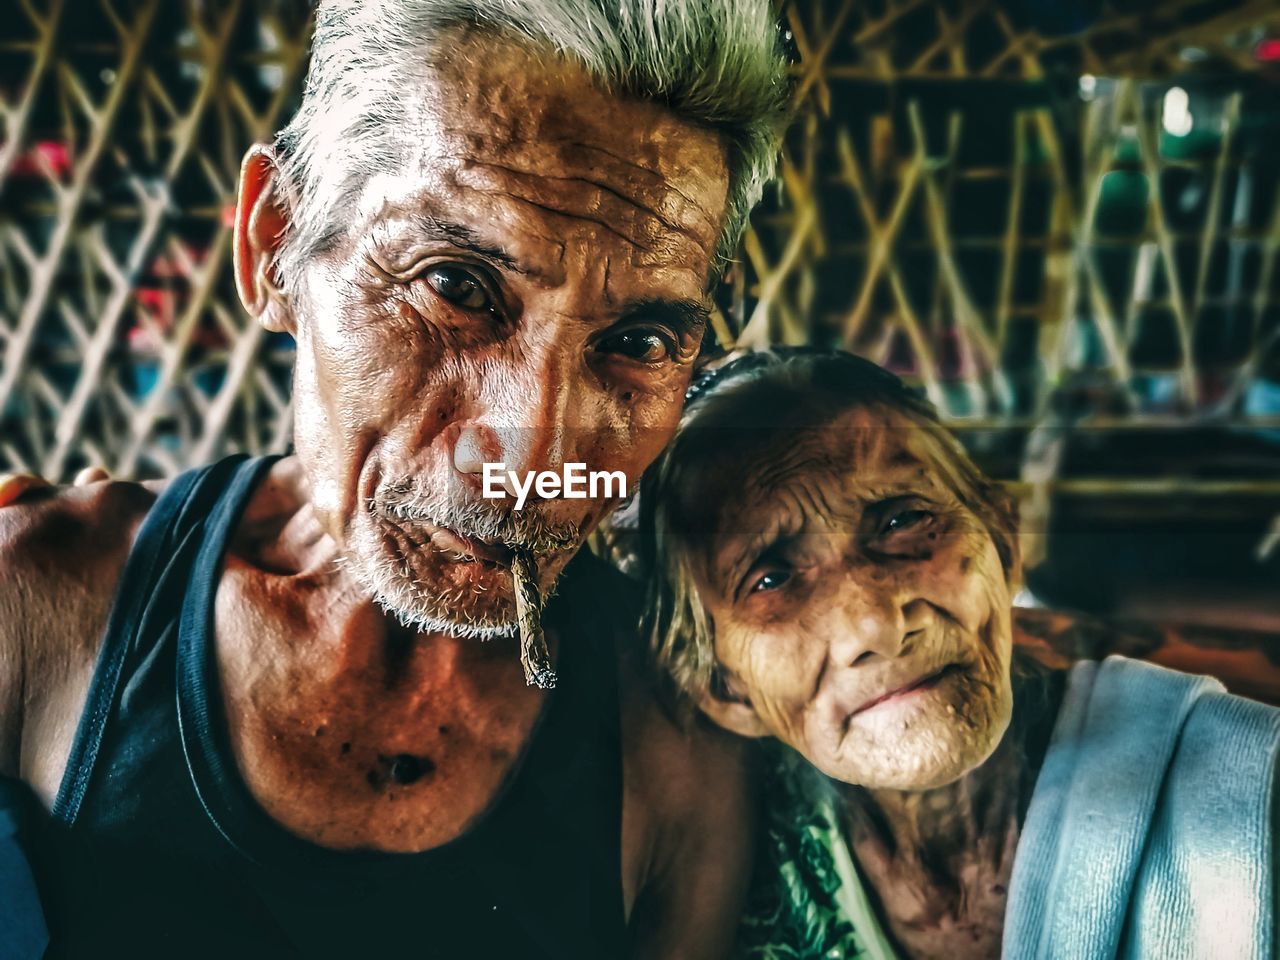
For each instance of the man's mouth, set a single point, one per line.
(926, 682)
(467, 548)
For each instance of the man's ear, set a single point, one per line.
(728, 705)
(261, 220)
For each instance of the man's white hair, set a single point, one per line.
(716, 63)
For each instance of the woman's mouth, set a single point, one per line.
(926, 682)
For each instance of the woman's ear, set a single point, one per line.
(261, 221)
(729, 706)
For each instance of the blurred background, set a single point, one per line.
(1060, 218)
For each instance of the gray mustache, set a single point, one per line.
(527, 530)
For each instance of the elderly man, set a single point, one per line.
(276, 707)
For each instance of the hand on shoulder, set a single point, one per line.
(13, 486)
(58, 532)
(61, 552)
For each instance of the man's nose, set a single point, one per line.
(524, 423)
(870, 623)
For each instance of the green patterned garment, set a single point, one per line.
(807, 902)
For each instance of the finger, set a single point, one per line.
(14, 485)
(91, 475)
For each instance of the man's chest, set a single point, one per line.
(353, 734)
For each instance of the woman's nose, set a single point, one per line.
(872, 623)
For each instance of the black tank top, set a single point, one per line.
(157, 847)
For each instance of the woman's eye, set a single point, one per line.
(459, 287)
(770, 581)
(905, 520)
(643, 346)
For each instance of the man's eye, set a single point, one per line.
(459, 287)
(905, 520)
(770, 581)
(643, 346)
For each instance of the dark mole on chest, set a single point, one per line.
(401, 769)
(406, 768)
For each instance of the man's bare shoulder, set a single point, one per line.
(687, 767)
(694, 809)
(690, 807)
(61, 552)
(661, 736)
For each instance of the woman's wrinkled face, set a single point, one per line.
(861, 612)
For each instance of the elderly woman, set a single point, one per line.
(831, 572)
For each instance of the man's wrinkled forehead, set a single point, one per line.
(539, 147)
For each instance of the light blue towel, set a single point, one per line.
(1150, 833)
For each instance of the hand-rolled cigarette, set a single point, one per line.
(534, 655)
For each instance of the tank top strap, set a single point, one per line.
(147, 599)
